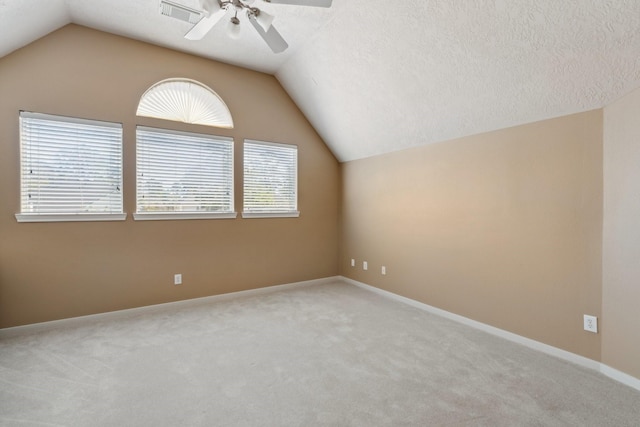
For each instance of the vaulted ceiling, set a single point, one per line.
(377, 76)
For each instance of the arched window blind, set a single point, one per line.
(185, 100)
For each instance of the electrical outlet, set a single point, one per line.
(591, 323)
(353, 262)
(383, 270)
(365, 266)
(177, 279)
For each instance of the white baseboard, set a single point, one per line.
(527, 342)
(619, 376)
(121, 314)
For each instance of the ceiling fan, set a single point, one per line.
(214, 10)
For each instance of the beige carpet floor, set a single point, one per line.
(321, 355)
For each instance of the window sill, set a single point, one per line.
(178, 216)
(69, 217)
(294, 214)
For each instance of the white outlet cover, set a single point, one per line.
(365, 265)
(177, 279)
(353, 262)
(591, 323)
(383, 270)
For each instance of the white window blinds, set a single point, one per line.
(69, 166)
(186, 173)
(185, 100)
(270, 179)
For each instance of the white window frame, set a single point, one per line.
(188, 215)
(51, 216)
(274, 213)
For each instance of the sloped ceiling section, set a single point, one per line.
(141, 20)
(380, 78)
(24, 21)
(377, 76)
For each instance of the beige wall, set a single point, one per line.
(56, 270)
(621, 236)
(504, 227)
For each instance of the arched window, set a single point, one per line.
(185, 100)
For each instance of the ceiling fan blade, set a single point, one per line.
(198, 31)
(272, 37)
(315, 3)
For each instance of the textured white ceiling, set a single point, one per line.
(430, 71)
(23, 21)
(376, 76)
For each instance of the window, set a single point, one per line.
(185, 100)
(183, 175)
(270, 180)
(70, 169)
